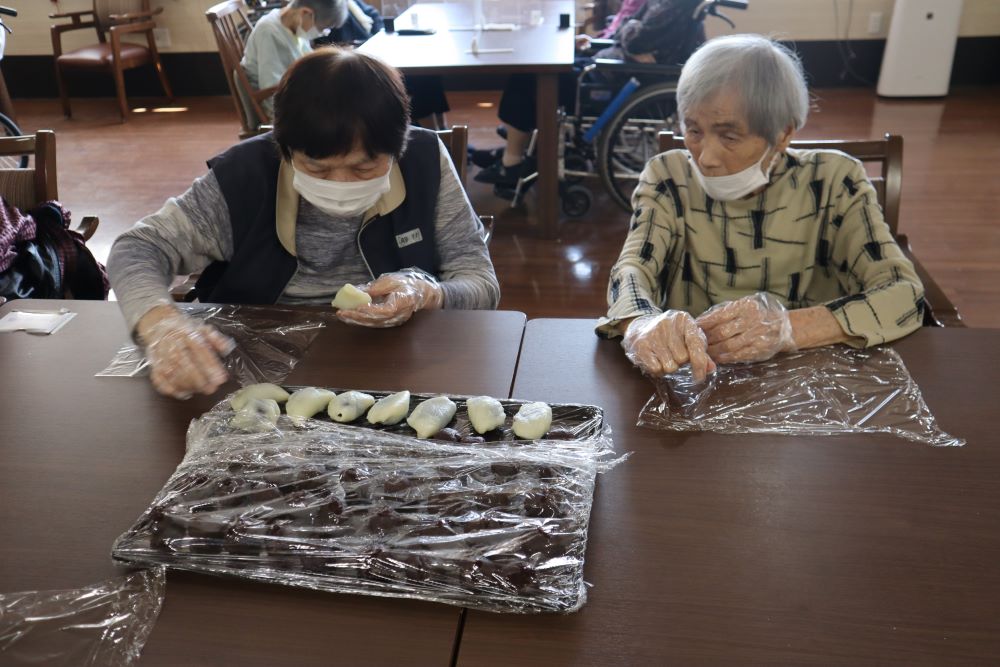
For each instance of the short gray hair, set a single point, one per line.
(332, 13)
(765, 75)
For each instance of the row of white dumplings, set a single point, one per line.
(261, 401)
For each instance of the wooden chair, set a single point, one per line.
(888, 154)
(26, 188)
(231, 25)
(110, 18)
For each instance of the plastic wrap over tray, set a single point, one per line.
(268, 345)
(104, 624)
(495, 523)
(824, 391)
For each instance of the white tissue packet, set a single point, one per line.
(36, 321)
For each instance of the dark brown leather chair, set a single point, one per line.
(888, 154)
(111, 19)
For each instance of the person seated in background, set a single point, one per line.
(284, 35)
(343, 191)
(741, 248)
(658, 33)
(428, 101)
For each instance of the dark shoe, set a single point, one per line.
(498, 174)
(504, 192)
(502, 131)
(483, 158)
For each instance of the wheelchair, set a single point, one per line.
(620, 109)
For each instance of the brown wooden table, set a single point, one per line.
(82, 456)
(544, 50)
(756, 549)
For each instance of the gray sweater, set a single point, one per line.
(193, 230)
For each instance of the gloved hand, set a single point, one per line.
(395, 297)
(660, 344)
(184, 353)
(752, 328)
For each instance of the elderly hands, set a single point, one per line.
(753, 328)
(395, 297)
(183, 353)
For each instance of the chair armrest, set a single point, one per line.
(88, 225)
(598, 44)
(128, 28)
(624, 67)
(133, 16)
(941, 312)
(72, 15)
(260, 95)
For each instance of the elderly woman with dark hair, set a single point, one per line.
(740, 247)
(344, 191)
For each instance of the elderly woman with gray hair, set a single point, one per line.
(740, 247)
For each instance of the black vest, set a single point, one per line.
(260, 267)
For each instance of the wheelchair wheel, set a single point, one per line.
(631, 139)
(10, 129)
(576, 201)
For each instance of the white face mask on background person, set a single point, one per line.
(738, 185)
(311, 34)
(342, 199)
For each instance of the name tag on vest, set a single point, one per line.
(409, 238)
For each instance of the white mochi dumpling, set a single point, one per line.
(349, 405)
(257, 414)
(263, 391)
(308, 401)
(350, 297)
(391, 409)
(485, 413)
(533, 420)
(431, 416)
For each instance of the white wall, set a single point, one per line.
(801, 20)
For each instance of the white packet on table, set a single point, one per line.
(36, 321)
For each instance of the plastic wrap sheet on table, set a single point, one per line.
(269, 342)
(499, 524)
(104, 624)
(824, 391)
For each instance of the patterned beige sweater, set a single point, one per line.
(814, 236)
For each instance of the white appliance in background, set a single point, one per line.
(920, 48)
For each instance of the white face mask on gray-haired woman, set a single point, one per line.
(342, 199)
(738, 185)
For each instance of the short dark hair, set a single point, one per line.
(333, 101)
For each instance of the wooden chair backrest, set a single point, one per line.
(104, 9)
(26, 188)
(230, 25)
(456, 140)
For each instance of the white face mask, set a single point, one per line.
(738, 185)
(342, 199)
(309, 35)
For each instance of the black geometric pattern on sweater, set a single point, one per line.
(687, 273)
(793, 288)
(852, 188)
(838, 221)
(730, 260)
(616, 286)
(663, 187)
(709, 207)
(816, 187)
(646, 253)
(823, 253)
(757, 218)
(874, 250)
(844, 300)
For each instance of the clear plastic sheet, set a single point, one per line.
(824, 391)
(104, 624)
(268, 346)
(494, 523)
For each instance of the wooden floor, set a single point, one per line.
(951, 188)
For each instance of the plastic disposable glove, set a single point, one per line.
(395, 297)
(184, 353)
(660, 344)
(752, 328)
